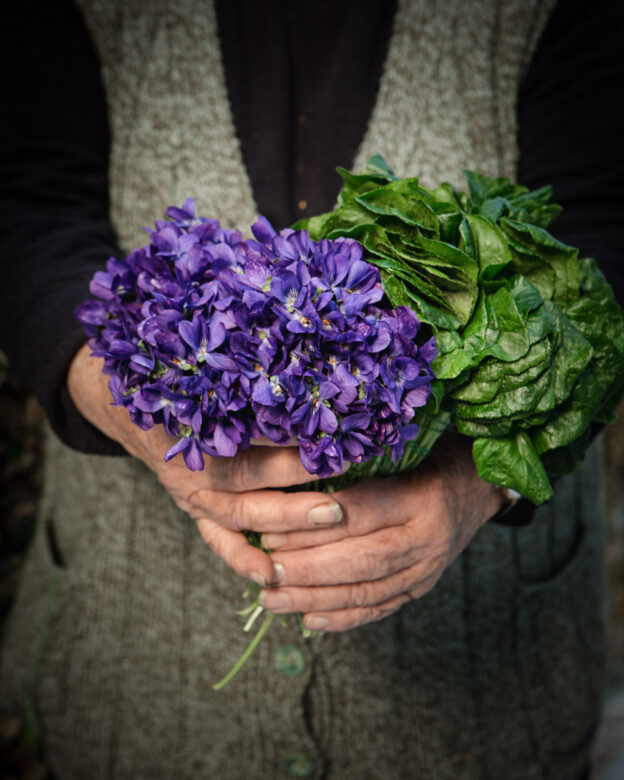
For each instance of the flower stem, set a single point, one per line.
(250, 648)
(254, 616)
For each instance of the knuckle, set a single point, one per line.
(377, 613)
(217, 540)
(359, 518)
(379, 559)
(352, 504)
(397, 547)
(238, 514)
(424, 585)
(364, 566)
(425, 588)
(381, 611)
(202, 503)
(240, 472)
(433, 566)
(358, 595)
(182, 503)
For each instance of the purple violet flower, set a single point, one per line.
(223, 340)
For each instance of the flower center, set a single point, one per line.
(305, 321)
(276, 388)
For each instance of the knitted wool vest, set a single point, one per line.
(496, 672)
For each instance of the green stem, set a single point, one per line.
(250, 648)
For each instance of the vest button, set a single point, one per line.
(299, 765)
(289, 660)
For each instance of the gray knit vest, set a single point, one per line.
(495, 673)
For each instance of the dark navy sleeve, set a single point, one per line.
(55, 229)
(570, 128)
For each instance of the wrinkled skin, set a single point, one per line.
(342, 561)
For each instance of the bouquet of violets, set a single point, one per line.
(362, 333)
(222, 340)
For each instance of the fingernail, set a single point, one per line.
(316, 623)
(280, 574)
(257, 578)
(273, 541)
(325, 514)
(273, 599)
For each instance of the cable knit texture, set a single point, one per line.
(495, 673)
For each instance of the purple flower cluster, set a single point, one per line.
(222, 340)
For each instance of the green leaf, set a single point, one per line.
(357, 184)
(482, 188)
(560, 260)
(445, 194)
(515, 403)
(314, 225)
(395, 265)
(440, 279)
(445, 200)
(492, 249)
(400, 199)
(525, 295)
(531, 266)
(350, 215)
(571, 358)
(482, 332)
(484, 391)
(395, 290)
(601, 321)
(479, 186)
(493, 208)
(449, 223)
(448, 340)
(497, 329)
(427, 312)
(452, 364)
(513, 342)
(540, 325)
(570, 419)
(498, 428)
(512, 462)
(492, 370)
(409, 235)
(565, 460)
(534, 236)
(534, 207)
(377, 165)
(389, 258)
(596, 314)
(467, 241)
(402, 295)
(452, 257)
(436, 397)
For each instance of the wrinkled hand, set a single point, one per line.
(228, 496)
(397, 538)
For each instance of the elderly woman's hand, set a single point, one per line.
(229, 496)
(398, 536)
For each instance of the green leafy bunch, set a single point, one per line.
(530, 338)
